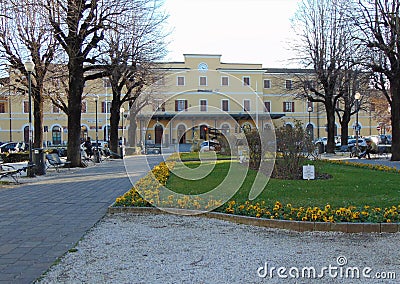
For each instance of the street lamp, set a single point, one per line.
(122, 110)
(29, 67)
(357, 96)
(97, 156)
(309, 109)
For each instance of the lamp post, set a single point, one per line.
(357, 96)
(309, 109)
(29, 67)
(122, 110)
(97, 156)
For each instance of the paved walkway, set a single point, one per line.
(385, 161)
(42, 220)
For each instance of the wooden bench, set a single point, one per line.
(55, 161)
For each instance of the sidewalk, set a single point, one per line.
(385, 161)
(41, 220)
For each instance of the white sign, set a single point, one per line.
(308, 172)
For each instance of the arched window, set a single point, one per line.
(56, 135)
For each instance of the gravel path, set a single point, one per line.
(145, 248)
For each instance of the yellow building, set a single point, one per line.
(197, 94)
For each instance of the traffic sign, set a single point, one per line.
(378, 128)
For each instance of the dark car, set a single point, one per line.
(8, 147)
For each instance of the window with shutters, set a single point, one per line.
(55, 109)
(106, 107)
(246, 81)
(180, 105)
(288, 106)
(26, 106)
(83, 107)
(289, 85)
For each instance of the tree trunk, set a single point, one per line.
(76, 84)
(132, 132)
(344, 124)
(38, 119)
(330, 117)
(114, 123)
(395, 109)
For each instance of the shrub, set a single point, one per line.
(15, 157)
(293, 144)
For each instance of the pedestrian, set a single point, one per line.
(88, 147)
(372, 148)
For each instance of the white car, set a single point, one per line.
(209, 146)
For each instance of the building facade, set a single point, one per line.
(194, 95)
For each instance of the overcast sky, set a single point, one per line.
(242, 31)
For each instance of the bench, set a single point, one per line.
(55, 161)
(11, 171)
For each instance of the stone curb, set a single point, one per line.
(299, 226)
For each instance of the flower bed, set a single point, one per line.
(146, 193)
(315, 214)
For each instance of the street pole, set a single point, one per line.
(122, 110)
(29, 67)
(357, 97)
(97, 156)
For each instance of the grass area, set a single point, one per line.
(206, 155)
(349, 186)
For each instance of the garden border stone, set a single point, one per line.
(299, 226)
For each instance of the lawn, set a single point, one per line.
(348, 186)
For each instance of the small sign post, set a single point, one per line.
(308, 172)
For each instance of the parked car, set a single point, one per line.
(210, 145)
(351, 143)
(102, 144)
(385, 139)
(8, 147)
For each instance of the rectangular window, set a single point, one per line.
(2, 107)
(267, 106)
(203, 105)
(83, 107)
(246, 105)
(180, 105)
(246, 81)
(104, 108)
(225, 105)
(288, 106)
(55, 109)
(224, 81)
(267, 84)
(181, 81)
(203, 81)
(26, 106)
(288, 85)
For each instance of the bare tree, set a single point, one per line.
(23, 34)
(378, 23)
(129, 57)
(325, 45)
(79, 27)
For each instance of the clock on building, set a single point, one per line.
(202, 67)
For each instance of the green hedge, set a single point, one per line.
(15, 157)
